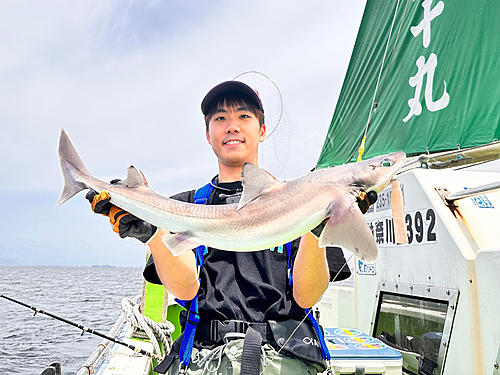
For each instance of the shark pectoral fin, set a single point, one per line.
(256, 181)
(179, 243)
(351, 232)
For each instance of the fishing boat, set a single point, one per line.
(423, 78)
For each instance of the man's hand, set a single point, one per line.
(365, 200)
(124, 223)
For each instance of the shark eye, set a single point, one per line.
(386, 163)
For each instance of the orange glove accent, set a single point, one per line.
(101, 204)
(124, 223)
(99, 201)
(115, 215)
(365, 200)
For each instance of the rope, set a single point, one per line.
(376, 99)
(153, 330)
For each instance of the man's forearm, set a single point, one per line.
(178, 274)
(310, 272)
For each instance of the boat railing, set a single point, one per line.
(454, 158)
(88, 367)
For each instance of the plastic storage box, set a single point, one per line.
(355, 353)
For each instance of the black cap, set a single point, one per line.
(228, 87)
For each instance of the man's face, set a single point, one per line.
(234, 134)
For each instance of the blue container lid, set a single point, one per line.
(352, 343)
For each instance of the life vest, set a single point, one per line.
(202, 196)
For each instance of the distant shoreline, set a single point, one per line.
(2, 264)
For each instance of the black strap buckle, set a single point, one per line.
(219, 329)
(193, 318)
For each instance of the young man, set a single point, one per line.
(237, 290)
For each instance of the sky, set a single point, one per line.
(125, 79)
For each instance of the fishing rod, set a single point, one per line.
(85, 329)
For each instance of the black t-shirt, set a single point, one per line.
(249, 286)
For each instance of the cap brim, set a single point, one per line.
(230, 87)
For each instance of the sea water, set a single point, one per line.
(89, 296)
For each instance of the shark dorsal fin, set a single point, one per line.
(256, 182)
(135, 178)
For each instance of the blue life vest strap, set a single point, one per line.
(289, 265)
(201, 196)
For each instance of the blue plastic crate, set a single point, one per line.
(354, 344)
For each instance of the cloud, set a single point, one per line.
(126, 79)
(132, 75)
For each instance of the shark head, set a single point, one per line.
(376, 173)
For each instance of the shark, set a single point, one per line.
(271, 212)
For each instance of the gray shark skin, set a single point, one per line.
(270, 213)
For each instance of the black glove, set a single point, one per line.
(124, 223)
(364, 201)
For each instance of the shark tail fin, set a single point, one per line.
(71, 166)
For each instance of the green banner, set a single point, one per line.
(424, 75)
